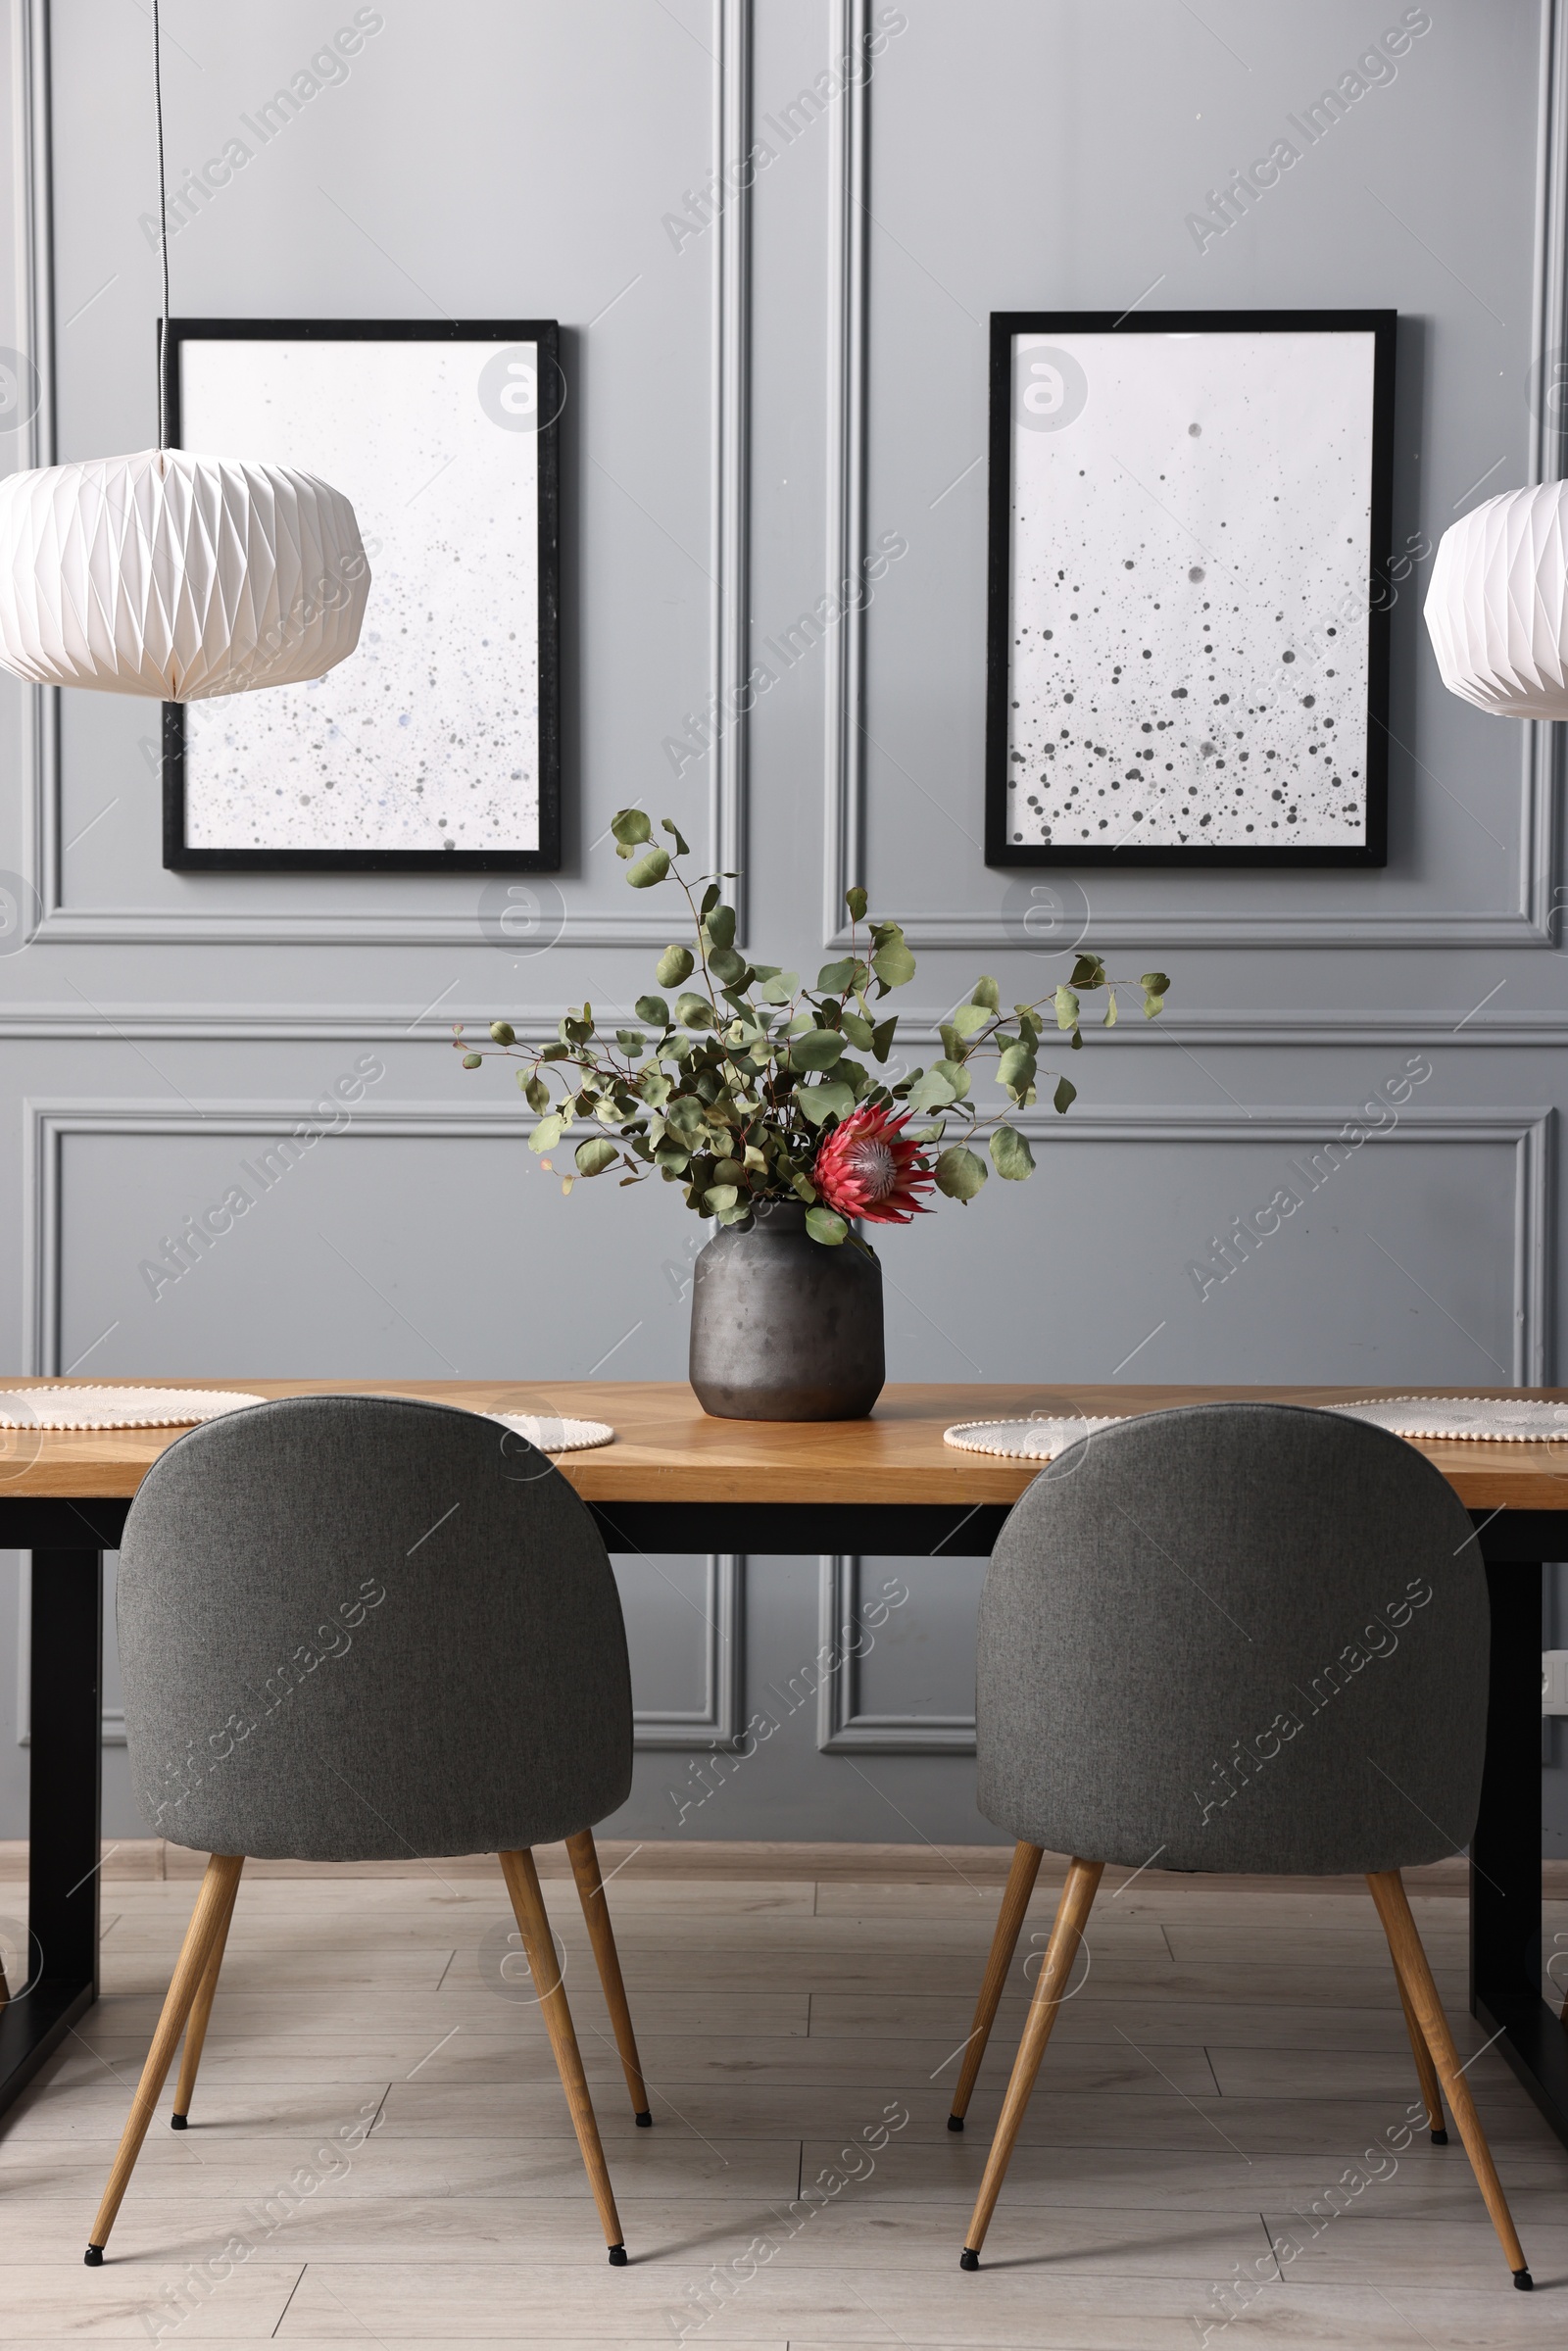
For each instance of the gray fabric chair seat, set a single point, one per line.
(1232, 1638)
(1249, 1636)
(357, 1629)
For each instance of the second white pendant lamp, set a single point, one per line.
(176, 575)
(1497, 606)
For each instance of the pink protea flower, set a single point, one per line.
(868, 1168)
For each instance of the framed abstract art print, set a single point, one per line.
(436, 745)
(1189, 588)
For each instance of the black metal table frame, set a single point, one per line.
(67, 1541)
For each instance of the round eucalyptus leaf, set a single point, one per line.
(1010, 1155)
(818, 1048)
(959, 1172)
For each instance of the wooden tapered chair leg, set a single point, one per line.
(1410, 1960)
(528, 1905)
(1026, 1860)
(583, 1854)
(1426, 2070)
(1072, 1916)
(212, 1904)
(201, 2010)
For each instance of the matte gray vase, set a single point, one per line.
(782, 1328)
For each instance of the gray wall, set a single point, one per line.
(750, 405)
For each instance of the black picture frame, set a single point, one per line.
(1008, 854)
(179, 855)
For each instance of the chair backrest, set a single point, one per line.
(1241, 1636)
(353, 1628)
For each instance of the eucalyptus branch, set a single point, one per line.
(736, 1119)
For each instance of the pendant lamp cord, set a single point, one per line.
(163, 242)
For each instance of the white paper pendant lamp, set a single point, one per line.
(1497, 606)
(177, 576)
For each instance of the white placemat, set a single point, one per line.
(1491, 1419)
(115, 1407)
(554, 1435)
(1025, 1440)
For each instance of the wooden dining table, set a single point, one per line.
(675, 1480)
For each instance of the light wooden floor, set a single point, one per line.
(1229, 2057)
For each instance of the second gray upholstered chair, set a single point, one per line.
(1232, 1638)
(354, 1629)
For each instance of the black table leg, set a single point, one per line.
(1505, 1935)
(64, 1813)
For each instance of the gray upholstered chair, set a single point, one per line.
(1232, 1638)
(354, 1628)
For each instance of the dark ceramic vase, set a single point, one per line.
(782, 1328)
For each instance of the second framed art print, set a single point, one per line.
(1188, 581)
(436, 744)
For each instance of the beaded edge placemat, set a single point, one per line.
(60, 1407)
(1473, 1419)
(1039, 1439)
(65, 1408)
(1477, 1419)
(554, 1435)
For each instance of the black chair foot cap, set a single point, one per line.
(954, 2121)
(968, 2260)
(1440, 2138)
(645, 2121)
(1523, 2281)
(176, 2122)
(94, 2257)
(618, 2257)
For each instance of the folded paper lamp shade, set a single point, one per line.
(1497, 606)
(177, 576)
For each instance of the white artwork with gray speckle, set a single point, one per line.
(1190, 519)
(427, 736)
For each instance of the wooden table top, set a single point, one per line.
(667, 1450)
